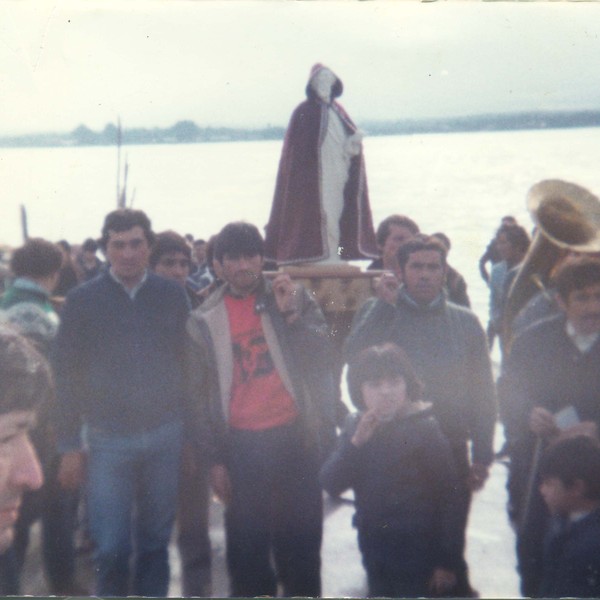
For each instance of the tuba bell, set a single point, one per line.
(567, 219)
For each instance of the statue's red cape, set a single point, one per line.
(294, 233)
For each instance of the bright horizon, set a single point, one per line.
(245, 63)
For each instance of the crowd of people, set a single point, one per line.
(180, 366)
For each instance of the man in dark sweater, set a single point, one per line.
(119, 372)
(448, 349)
(552, 366)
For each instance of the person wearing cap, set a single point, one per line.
(320, 209)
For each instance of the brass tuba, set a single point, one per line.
(567, 218)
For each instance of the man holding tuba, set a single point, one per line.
(550, 381)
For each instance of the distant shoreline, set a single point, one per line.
(187, 132)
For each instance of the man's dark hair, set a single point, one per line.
(64, 245)
(418, 244)
(36, 258)
(576, 274)
(382, 362)
(399, 221)
(239, 239)
(199, 242)
(516, 236)
(124, 219)
(167, 242)
(440, 235)
(25, 376)
(572, 459)
(89, 245)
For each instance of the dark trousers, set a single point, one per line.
(57, 510)
(397, 566)
(193, 541)
(530, 546)
(460, 452)
(274, 523)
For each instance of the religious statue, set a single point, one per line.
(321, 210)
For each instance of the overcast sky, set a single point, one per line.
(153, 63)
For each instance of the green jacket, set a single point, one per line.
(27, 306)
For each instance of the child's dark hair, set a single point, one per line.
(239, 239)
(576, 274)
(572, 459)
(382, 362)
(25, 377)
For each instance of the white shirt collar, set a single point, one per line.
(583, 341)
(131, 292)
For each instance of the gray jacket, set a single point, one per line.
(301, 354)
(448, 349)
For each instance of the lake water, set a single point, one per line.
(460, 183)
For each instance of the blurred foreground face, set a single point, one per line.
(173, 265)
(20, 469)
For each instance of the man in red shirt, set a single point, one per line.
(260, 369)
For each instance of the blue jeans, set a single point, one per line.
(132, 495)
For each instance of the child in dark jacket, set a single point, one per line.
(394, 456)
(570, 485)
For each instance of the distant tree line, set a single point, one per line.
(183, 132)
(492, 122)
(187, 132)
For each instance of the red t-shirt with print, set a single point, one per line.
(259, 400)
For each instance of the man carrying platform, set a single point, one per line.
(447, 347)
(260, 368)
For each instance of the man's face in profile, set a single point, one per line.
(20, 469)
